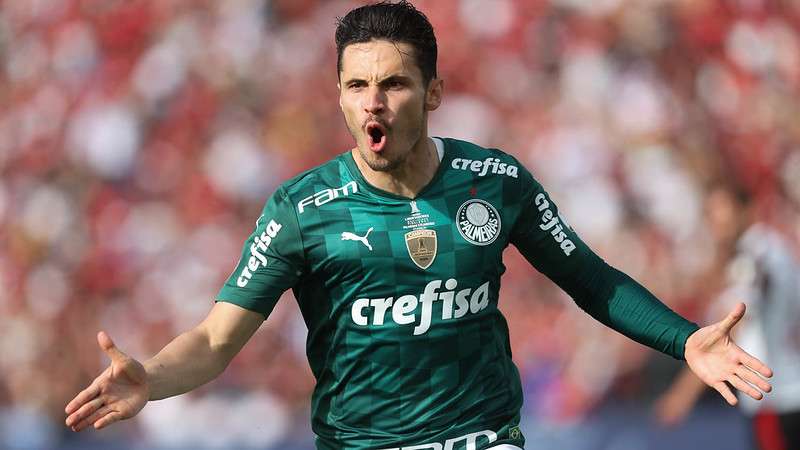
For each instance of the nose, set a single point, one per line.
(374, 100)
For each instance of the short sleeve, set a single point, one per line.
(272, 259)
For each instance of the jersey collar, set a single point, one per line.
(356, 174)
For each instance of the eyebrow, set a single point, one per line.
(397, 77)
(390, 78)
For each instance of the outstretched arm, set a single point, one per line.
(710, 352)
(201, 354)
(615, 299)
(188, 361)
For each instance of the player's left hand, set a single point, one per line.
(720, 363)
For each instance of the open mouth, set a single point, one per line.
(377, 136)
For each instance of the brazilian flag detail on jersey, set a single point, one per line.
(400, 296)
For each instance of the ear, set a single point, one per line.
(433, 97)
(339, 87)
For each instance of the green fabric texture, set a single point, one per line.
(400, 297)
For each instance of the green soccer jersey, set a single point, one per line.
(400, 296)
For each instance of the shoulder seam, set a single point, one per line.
(480, 148)
(303, 175)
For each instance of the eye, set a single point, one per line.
(355, 85)
(394, 84)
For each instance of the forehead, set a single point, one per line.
(378, 59)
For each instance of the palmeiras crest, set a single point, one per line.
(421, 245)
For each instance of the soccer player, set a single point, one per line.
(393, 250)
(764, 271)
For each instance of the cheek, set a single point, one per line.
(349, 103)
(349, 113)
(411, 107)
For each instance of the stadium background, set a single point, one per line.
(139, 139)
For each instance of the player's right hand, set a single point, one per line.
(120, 392)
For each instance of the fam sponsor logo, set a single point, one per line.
(467, 442)
(327, 195)
(404, 309)
(488, 165)
(478, 222)
(258, 251)
(553, 223)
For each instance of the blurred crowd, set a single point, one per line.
(140, 138)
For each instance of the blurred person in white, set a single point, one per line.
(763, 270)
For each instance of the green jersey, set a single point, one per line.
(400, 296)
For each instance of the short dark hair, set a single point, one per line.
(394, 22)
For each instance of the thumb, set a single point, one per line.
(108, 346)
(733, 317)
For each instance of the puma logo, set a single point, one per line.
(348, 236)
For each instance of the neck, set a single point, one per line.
(410, 177)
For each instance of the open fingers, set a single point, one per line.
(84, 411)
(726, 393)
(750, 377)
(82, 397)
(102, 411)
(108, 419)
(741, 385)
(755, 364)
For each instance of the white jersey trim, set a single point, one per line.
(439, 147)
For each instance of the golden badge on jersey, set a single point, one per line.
(421, 245)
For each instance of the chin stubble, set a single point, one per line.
(379, 164)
